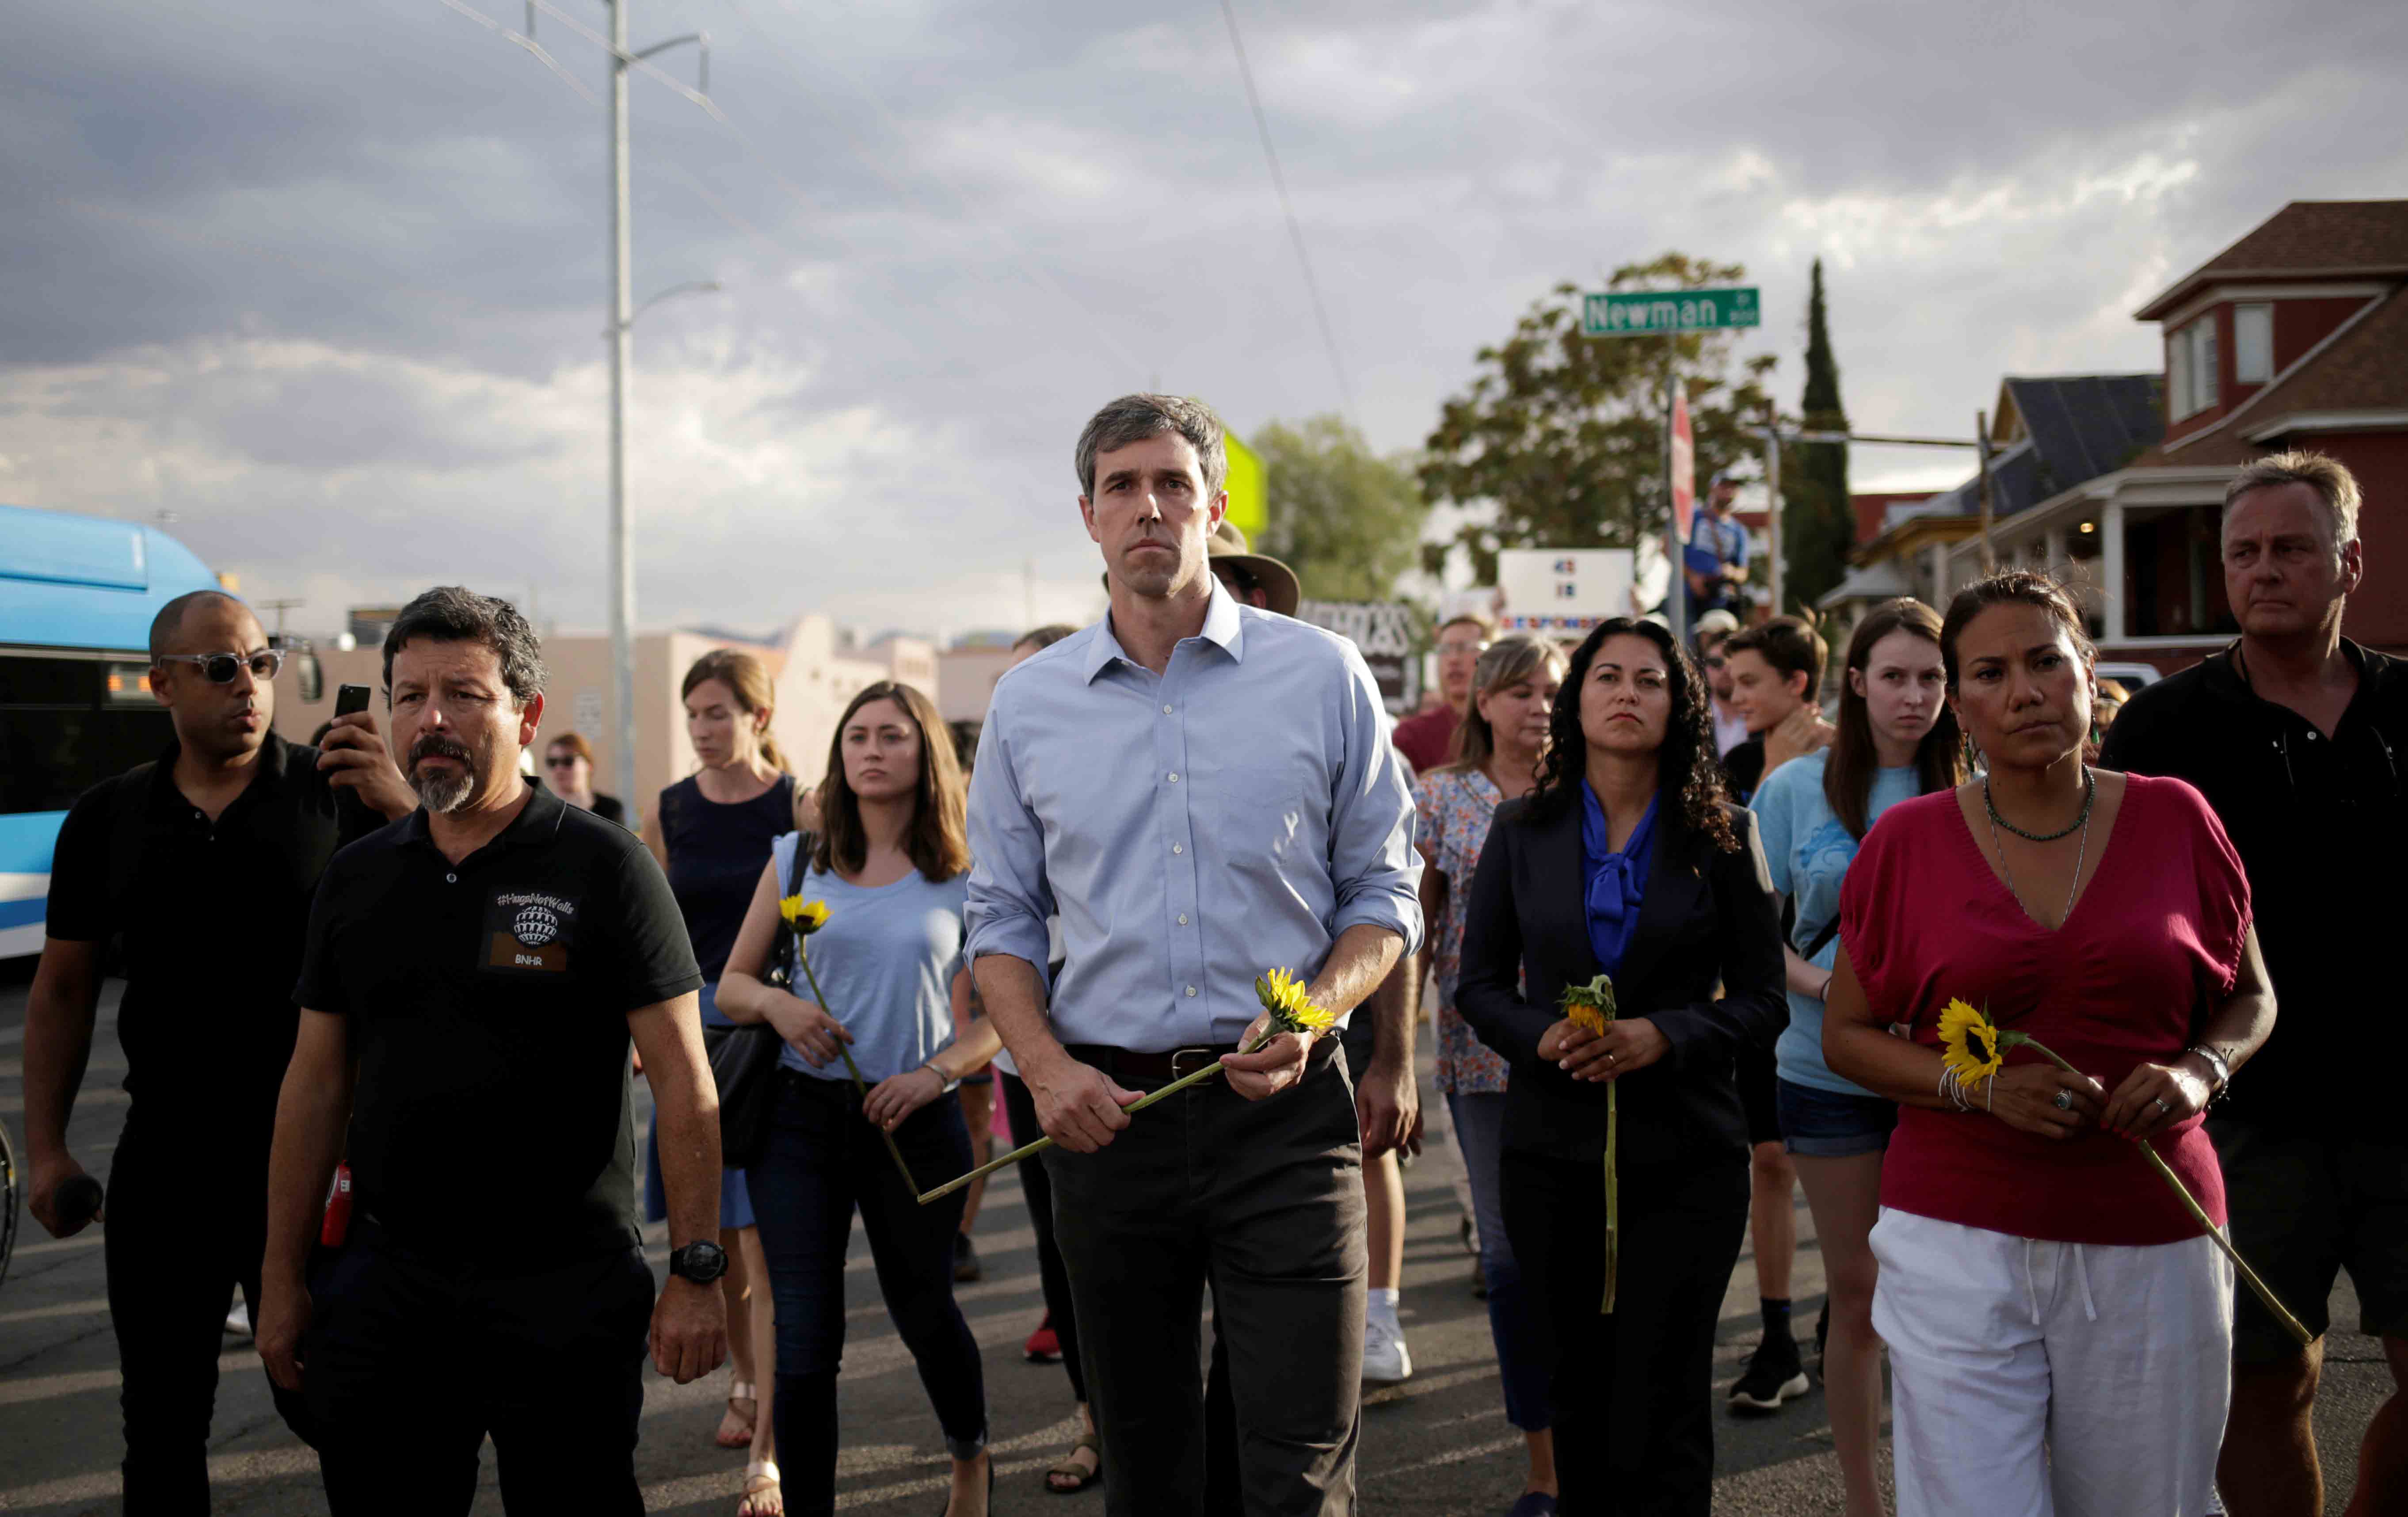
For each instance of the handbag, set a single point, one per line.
(744, 1058)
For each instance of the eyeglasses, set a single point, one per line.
(220, 669)
(1454, 650)
(1716, 661)
(561, 761)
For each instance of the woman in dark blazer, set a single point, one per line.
(1627, 860)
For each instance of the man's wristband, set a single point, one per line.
(949, 1083)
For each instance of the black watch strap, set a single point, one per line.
(699, 1261)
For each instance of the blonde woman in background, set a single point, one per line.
(711, 832)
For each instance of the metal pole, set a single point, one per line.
(1676, 604)
(622, 543)
(1772, 509)
(1981, 441)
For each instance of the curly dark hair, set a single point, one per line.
(1686, 764)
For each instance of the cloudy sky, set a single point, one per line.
(327, 279)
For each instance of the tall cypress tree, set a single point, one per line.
(1816, 517)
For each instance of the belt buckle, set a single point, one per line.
(1180, 1068)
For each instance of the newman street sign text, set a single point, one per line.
(1651, 312)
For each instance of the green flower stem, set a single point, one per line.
(2265, 1293)
(858, 1083)
(1612, 1195)
(1132, 1109)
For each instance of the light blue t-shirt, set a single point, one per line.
(886, 960)
(1809, 849)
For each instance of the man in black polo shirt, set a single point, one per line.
(2296, 736)
(203, 862)
(473, 979)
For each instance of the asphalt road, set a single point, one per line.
(1439, 1444)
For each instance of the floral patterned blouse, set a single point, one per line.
(1453, 808)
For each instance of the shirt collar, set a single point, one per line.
(536, 823)
(267, 772)
(1222, 627)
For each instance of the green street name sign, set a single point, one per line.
(1652, 312)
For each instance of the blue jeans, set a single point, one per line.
(1479, 1117)
(823, 1161)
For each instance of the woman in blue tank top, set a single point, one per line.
(711, 832)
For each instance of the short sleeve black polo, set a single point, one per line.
(488, 1004)
(211, 916)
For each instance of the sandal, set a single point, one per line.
(743, 1390)
(1071, 1469)
(762, 1497)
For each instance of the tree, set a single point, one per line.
(1563, 435)
(1346, 519)
(1818, 521)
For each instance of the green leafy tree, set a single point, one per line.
(1346, 519)
(1818, 523)
(1562, 435)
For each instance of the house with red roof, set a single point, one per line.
(2294, 337)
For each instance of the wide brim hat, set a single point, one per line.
(1228, 545)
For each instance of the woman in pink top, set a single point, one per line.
(2059, 1330)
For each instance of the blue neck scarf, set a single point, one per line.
(1614, 882)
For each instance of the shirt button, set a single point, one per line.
(1166, 711)
(450, 879)
(1191, 990)
(1174, 778)
(1183, 920)
(1178, 848)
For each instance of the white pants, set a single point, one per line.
(2031, 1378)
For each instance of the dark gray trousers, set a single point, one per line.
(1263, 1203)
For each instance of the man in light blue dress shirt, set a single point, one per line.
(1202, 792)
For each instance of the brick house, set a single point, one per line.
(2294, 337)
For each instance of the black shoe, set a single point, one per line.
(1774, 1376)
(1479, 1282)
(965, 1259)
(1822, 1336)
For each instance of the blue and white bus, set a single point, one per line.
(77, 597)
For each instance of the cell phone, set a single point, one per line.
(350, 700)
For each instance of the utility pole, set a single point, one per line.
(623, 316)
(1981, 441)
(1772, 509)
(1676, 603)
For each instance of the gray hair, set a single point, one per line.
(1132, 419)
(2328, 477)
(451, 614)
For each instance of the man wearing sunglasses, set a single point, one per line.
(201, 865)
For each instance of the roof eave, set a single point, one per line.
(2177, 296)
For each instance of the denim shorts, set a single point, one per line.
(1824, 1124)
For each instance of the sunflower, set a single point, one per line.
(804, 917)
(1971, 1043)
(1291, 1011)
(1590, 1005)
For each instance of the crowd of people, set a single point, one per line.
(447, 972)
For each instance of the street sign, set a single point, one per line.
(1655, 312)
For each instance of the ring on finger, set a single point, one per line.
(2063, 1101)
(2164, 1110)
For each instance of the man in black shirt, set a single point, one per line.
(473, 979)
(2296, 736)
(202, 863)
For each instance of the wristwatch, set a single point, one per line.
(2218, 1066)
(700, 1263)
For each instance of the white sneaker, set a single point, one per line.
(237, 1323)
(1384, 1359)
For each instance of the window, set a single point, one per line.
(2252, 344)
(67, 722)
(2190, 369)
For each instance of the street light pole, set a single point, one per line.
(623, 537)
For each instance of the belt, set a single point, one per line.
(1129, 1067)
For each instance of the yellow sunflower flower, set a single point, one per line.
(1590, 1005)
(1291, 1011)
(1971, 1043)
(804, 917)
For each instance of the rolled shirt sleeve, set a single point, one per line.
(1371, 860)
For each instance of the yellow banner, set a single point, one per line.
(1249, 502)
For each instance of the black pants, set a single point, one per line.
(1633, 1416)
(187, 1226)
(411, 1361)
(1038, 1186)
(1263, 1203)
(824, 1161)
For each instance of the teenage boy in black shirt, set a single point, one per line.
(2296, 736)
(474, 976)
(1775, 671)
(203, 862)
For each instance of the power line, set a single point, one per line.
(1287, 209)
